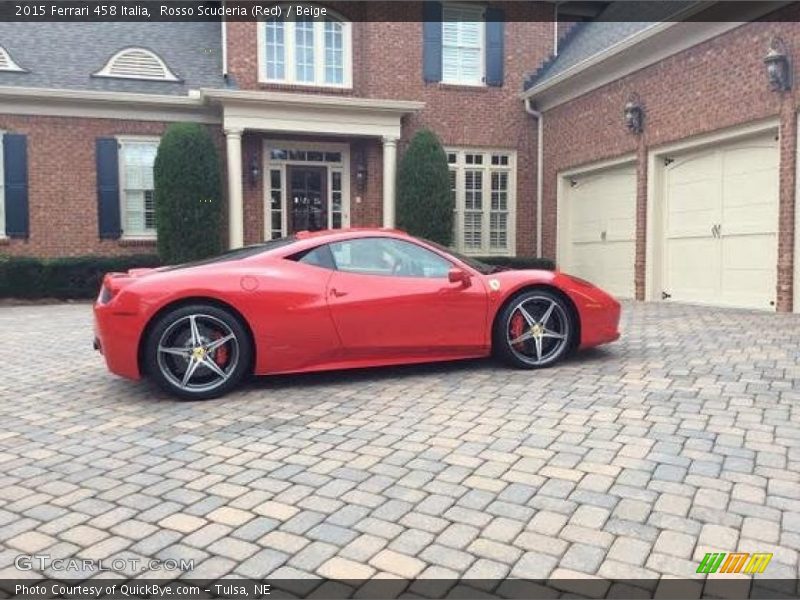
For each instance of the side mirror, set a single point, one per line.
(456, 275)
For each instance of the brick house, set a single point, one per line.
(700, 205)
(310, 117)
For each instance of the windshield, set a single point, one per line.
(479, 266)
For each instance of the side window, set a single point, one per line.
(318, 257)
(388, 257)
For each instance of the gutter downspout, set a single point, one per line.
(224, 45)
(539, 170)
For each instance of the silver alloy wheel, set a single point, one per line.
(190, 351)
(546, 330)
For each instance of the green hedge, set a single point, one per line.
(519, 262)
(63, 278)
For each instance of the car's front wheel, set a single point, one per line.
(197, 352)
(535, 329)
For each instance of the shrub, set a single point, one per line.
(187, 194)
(424, 204)
(519, 262)
(75, 278)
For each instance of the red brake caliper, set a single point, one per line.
(221, 353)
(517, 327)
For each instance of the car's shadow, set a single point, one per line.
(448, 369)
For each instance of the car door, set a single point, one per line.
(392, 298)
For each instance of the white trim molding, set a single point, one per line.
(311, 113)
(642, 49)
(92, 104)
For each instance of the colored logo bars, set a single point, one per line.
(736, 562)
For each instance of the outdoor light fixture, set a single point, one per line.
(361, 172)
(779, 70)
(634, 114)
(255, 171)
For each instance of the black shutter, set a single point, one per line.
(108, 218)
(495, 31)
(15, 170)
(432, 41)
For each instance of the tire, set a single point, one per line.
(540, 345)
(220, 359)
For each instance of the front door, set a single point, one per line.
(308, 202)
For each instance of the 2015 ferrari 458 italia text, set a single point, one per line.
(333, 300)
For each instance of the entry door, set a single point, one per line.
(308, 202)
(721, 225)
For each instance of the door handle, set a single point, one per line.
(337, 294)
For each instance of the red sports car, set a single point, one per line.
(333, 300)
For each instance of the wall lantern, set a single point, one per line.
(779, 69)
(634, 114)
(361, 171)
(254, 171)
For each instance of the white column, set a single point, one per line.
(233, 138)
(389, 178)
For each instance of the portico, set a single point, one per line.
(313, 166)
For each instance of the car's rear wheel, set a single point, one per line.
(197, 352)
(534, 330)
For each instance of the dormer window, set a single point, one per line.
(137, 63)
(7, 63)
(305, 52)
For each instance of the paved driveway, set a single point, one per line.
(630, 461)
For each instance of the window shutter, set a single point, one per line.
(15, 165)
(495, 30)
(432, 41)
(108, 217)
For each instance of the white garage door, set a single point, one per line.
(720, 225)
(600, 228)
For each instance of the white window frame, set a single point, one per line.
(122, 141)
(2, 189)
(106, 71)
(290, 71)
(460, 167)
(480, 13)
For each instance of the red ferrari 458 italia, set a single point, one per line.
(333, 300)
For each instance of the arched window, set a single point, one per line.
(306, 52)
(137, 63)
(7, 63)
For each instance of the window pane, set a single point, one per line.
(334, 52)
(304, 51)
(498, 235)
(139, 198)
(388, 257)
(462, 45)
(472, 230)
(473, 190)
(275, 49)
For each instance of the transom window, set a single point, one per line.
(482, 186)
(463, 38)
(136, 158)
(305, 52)
(388, 257)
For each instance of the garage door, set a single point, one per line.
(720, 225)
(601, 228)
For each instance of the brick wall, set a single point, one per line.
(713, 86)
(387, 63)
